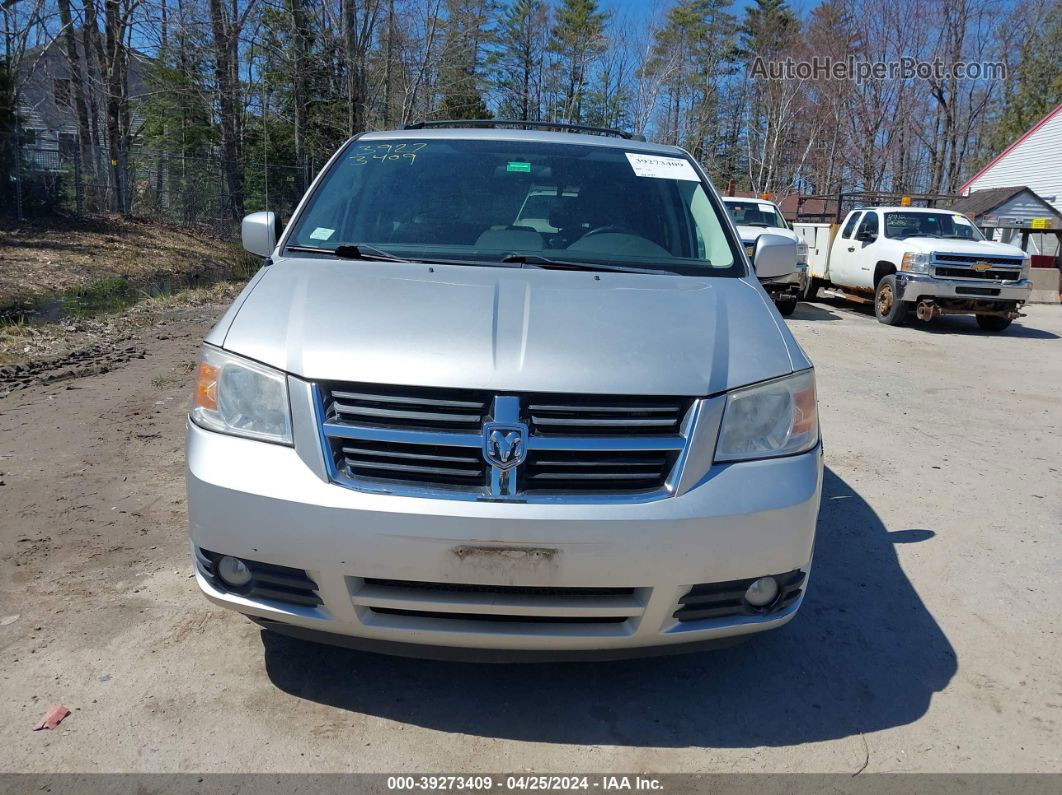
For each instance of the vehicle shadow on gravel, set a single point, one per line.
(808, 311)
(949, 324)
(863, 654)
(966, 325)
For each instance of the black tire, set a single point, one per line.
(786, 306)
(887, 308)
(811, 291)
(993, 323)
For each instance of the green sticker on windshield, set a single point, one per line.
(521, 167)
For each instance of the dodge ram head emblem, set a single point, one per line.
(504, 444)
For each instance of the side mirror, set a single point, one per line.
(774, 256)
(260, 233)
(867, 236)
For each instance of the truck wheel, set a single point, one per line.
(786, 306)
(992, 322)
(888, 309)
(812, 289)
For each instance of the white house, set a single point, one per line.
(1033, 161)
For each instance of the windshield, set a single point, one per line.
(482, 200)
(754, 213)
(930, 224)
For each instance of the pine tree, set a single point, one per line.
(459, 76)
(692, 53)
(1038, 85)
(8, 145)
(577, 39)
(768, 30)
(518, 59)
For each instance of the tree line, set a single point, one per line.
(249, 82)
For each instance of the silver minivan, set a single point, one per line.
(506, 393)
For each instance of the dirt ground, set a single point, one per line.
(46, 258)
(929, 640)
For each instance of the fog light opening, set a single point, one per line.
(233, 571)
(762, 593)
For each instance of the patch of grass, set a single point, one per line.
(116, 294)
(59, 258)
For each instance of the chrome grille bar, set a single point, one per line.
(457, 404)
(432, 442)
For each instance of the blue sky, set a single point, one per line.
(645, 9)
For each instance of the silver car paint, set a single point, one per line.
(511, 328)
(742, 520)
(508, 329)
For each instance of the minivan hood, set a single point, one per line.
(750, 233)
(949, 246)
(511, 328)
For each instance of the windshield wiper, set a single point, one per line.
(546, 262)
(351, 251)
(361, 251)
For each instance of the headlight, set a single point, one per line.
(1026, 267)
(802, 252)
(235, 395)
(915, 262)
(776, 418)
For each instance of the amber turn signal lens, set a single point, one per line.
(804, 410)
(206, 387)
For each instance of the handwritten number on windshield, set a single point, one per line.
(386, 153)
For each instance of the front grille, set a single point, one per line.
(496, 590)
(402, 462)
(968, 273)
(724, 599)
(420, 602)
(571, 416)
(268, 581)
(977, 290)
(595, 470)
(430, 442)
(970, 259)
(500, 617)
(443, 410)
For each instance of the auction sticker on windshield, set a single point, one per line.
(662, 167)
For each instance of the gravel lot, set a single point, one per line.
(929, 641)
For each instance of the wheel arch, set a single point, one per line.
(882, 269)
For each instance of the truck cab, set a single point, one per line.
(919, 260)
(755, 217)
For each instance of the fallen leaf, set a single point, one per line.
(52, 718)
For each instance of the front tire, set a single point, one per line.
(786, 306)
(889, 309)
(811, 291)
(993, 323)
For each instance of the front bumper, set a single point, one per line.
(916, 286)
(791, 285)
(264, 503)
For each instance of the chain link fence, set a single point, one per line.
(44, 176)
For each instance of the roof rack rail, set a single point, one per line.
(832, 207)
(527, 125)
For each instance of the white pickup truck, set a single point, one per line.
(755, 217)
(929, 261)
